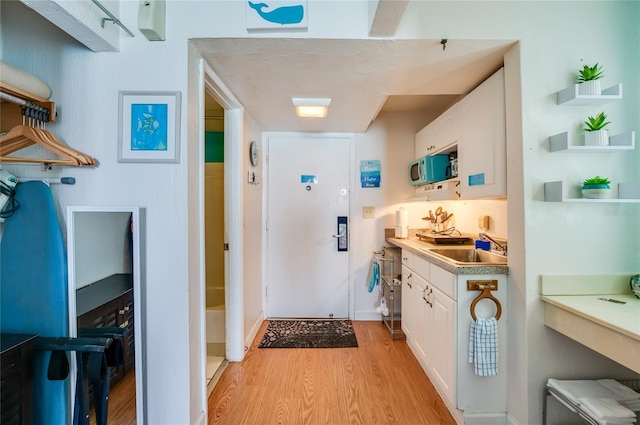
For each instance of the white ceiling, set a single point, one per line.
(361, 77)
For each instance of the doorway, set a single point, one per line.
(215, 323)
(307, 248)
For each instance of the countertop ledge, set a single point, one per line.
(573, 306)
(417, 246)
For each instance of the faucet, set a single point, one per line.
(502, 246)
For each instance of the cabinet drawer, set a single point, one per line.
(407, 258)
(445, 281)
(422, 267)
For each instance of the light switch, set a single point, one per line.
(368, 212)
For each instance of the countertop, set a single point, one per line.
(573, 307)
(420, 247)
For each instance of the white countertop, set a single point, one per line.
(574, 308)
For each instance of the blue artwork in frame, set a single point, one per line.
(149, 127)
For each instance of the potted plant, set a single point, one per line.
(596, 188)
(589, 80)
(596, 134)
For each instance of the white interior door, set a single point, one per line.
(307, 277)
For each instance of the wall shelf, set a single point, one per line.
(619, 142)
(556, 191)
(571, 96)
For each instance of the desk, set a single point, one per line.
(573, 307)
(16, 360)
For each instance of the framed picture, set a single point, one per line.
(149, 127)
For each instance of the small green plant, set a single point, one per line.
(589, 73)
(597, 123)
(597, 180)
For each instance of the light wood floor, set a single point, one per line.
(380, 382)
(122, 402)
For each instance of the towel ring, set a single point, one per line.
(486, 293)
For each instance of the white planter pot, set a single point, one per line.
(596, 138)
(590, 88)
(596, 191)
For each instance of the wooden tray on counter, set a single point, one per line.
(442, 239)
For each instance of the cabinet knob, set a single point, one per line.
(126, 308)
(120, 312)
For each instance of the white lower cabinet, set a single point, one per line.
(408, 322)
(436, 320)
(420, 312)
(441, 318)
(429, 322)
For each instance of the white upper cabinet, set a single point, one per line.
(475, 128)
(85, 21)
(482, 144)
(439, 135)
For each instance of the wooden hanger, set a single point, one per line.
(22, 136)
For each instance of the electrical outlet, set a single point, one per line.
(368, 212)
(483, 222)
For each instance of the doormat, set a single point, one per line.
(309, 333)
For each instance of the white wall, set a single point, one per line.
(553, 43)
(101, 246)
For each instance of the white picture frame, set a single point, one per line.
(149, 126)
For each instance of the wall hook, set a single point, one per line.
(444, 43)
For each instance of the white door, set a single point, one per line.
(307, 276)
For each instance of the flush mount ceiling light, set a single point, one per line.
(311, 107)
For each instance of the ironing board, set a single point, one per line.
(33, 284)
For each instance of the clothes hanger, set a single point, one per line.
(22, 136)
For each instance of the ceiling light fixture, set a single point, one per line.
(311, 107)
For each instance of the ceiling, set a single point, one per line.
(362, 77)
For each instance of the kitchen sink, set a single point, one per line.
(468, 255)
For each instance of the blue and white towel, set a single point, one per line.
(483, 346)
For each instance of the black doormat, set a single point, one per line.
(309, 333)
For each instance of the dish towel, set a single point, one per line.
(374, 274)
(483, 346)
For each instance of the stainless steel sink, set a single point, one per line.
(468, 255)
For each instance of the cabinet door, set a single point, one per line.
(439, 134)
(407, 322)
(482, 147)
(442, 343)
(420, 313)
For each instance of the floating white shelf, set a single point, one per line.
(571, 96)
(619, 142)
(557, 192)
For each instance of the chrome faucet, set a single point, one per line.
(499, 245)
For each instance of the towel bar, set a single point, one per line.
(486, 286)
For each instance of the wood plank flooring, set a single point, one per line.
(380, 382)
(122, 402)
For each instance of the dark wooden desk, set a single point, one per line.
(16, 364)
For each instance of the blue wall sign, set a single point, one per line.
(276, 14)
(370, 173)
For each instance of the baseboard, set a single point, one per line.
(485, 418)
(254, 331)
(201, 420)
(368, 315)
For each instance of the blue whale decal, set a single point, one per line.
(282, 15)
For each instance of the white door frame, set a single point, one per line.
(352, 202)
(233, 212)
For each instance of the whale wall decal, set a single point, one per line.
(284, 15)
